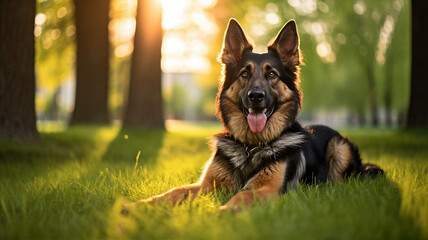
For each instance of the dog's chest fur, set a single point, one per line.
(245, 161)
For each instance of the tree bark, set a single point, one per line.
(418, 110)
(92, 62)
(145, 108)
(17, 81)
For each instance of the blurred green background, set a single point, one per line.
(356, 55)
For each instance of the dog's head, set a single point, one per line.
(259, 96)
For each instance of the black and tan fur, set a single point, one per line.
(278, 154)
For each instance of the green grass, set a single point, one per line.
(73, 183)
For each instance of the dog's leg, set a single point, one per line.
(266, 184)
(247, 198)
(178, 194)
(214, 176)
(175, 195)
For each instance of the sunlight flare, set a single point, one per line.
(188, 29)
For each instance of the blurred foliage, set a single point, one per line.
(55, 51)
(122, 28)
(356, 53)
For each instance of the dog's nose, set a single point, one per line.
(256, 95)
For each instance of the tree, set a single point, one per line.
(396, 67)
(144, 107)
(361, 23)
(418, 114)
(17, 81)
(92, 61)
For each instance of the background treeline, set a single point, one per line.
(98, 61)
(357, 56)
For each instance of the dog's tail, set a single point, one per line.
(344, 160)
(371, 170)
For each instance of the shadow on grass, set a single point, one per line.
(79, 148)
(77, 142)
(399, 143)
(133, 143)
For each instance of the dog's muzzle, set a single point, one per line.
(257, 118)
(256, 109)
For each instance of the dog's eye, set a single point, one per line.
(244, 74)
(272, 74)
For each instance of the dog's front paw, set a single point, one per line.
(126, 208)
(230, 208)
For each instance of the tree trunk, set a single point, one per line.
(144, 107)
(374, 118)
(17, 81)
(92, 62)
(389, 70)
(418, 110)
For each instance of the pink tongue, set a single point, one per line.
(256, 122)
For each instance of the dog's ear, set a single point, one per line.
(286, 44)
(234, 43)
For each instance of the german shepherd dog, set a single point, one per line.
(264, 151)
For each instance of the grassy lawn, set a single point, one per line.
(73, 183)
